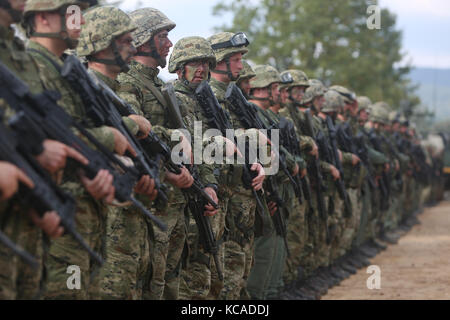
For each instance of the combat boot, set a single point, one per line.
(343, 263)
(386, 237)
(378, 244)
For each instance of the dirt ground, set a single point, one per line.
(418, 267)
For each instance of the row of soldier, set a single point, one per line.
(349, 175)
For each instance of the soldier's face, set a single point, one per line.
(236, 64)
(284, 95)
(245, 86)
(162, 43)
(318, 102)
(73, 29)
(363, 115)
(125, 47)
(196, 71)
(275, 92)
(395, 126)
(297, 93)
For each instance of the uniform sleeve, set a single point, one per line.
(131, 125)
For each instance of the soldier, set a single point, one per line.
(192, 59)
(243, 82)
(229, 49)
(320, 280)
(106, 43)
(18, 280)
(270, 253)
(141, 88)
(49, 39)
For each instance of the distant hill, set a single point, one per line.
(434, 83)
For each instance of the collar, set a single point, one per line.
(113, 84)
(148, 72)
(183, 88)
(222, 86)
(37, 46)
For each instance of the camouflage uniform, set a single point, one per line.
(196, 277)
(18, 280)
(141, 88)
(126, 272)
(241, 207)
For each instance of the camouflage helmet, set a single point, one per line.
(60, 6)
(315, 90)
(313, 82)
(297, 78)
(379, 113)
(103, 25)
(333, 101)
(190, 49)
(33, 6)
(224, 45)
(349, 96)
(363, 103)
(149, 22)
(393, 116)
(247, 72)
(265, 75)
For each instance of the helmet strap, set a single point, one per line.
(118, 61)
(63, 34)
(153, 54)
(228, 72)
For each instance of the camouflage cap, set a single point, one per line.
(265, 76)
(299, 78)
(223, 53)
(349, 96)
(247, 72)
(149, 22)
(190, 49)
(32, 6)
(379, 113)
(315, 90)
(103, 25)
(333, 101)
(364, 103)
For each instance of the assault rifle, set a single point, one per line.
(248, 116)
(102, 110)
(197, 197)
(46, 195)
(218, 118)
(314, 168)
(40, 116)
(337, 163)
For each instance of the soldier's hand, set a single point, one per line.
(387, 167)
(209, 209)
(295, 171)
(183, 180)
(315, 150)
(272, 208)
(10, 177)
(258, 181)
(121, 144)
(55, 154)
(303, 173)
(340, 155)
(49, 223)
(144, 125)
(397, 165)
(146, 186)
(335, 173)
(100, 187)
(355, 159)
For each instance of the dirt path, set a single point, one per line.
(418, 267)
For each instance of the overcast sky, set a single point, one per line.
(425, 24)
